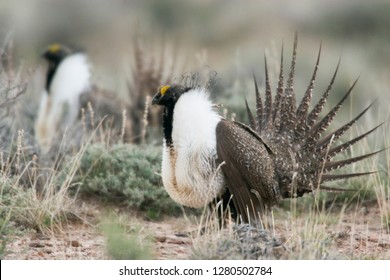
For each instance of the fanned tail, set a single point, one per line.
(288, 101)
(302, 127)
(252, 122)
(317, 129)
(303, 154)
(267, 114)
(334, 177)
(323, 144)
(259, 108)
(279, 95)
(333, 165)
(313, 115)
(338, 149)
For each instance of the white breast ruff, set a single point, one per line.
(60, 107)
(189, 171)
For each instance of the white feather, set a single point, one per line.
(190, 174)
(60, 107)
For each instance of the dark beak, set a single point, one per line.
(156, 98)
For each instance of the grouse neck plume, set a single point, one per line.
(282, 153)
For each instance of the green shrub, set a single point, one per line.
(123, 243)
(127, 174)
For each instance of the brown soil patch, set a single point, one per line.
(358, 235)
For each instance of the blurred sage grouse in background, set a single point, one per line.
(282, 153)
(68, 77)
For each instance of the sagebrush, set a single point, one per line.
(128, 174)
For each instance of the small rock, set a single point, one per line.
(41, 254)
(40, 236)
(36, 245)
(74, 243)
(177, 241)
(160, 238)
(182, 234)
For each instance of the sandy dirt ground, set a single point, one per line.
(358, 235)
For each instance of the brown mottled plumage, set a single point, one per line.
(302, 155)
(282, 153)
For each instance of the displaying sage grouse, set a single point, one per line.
(282, 153)
(68, 77)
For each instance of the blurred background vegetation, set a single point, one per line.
(230, 36)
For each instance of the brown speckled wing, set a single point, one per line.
(248, 167)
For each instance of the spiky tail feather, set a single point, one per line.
(302, 153)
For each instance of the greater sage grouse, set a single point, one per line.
(68, 77)
(282, 153)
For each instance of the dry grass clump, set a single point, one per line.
(381, 184)
(233, 241)
(306, 233)
(36, 197)
(295, 238)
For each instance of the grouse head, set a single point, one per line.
(55, 53)
(169, 94)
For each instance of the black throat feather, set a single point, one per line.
(168, 115)
(54, 61)
(168, 124)
(50, 74)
